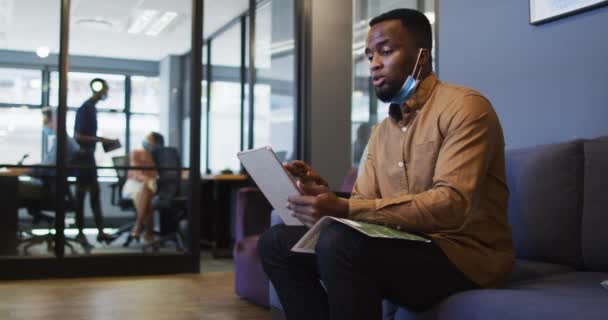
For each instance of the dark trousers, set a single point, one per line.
(351, 273)
(87, 182)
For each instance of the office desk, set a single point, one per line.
(221, 189)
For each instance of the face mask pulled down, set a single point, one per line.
(410, 84)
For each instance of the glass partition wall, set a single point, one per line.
(83, 84)
(235, 122)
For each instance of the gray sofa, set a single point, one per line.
(558, 209)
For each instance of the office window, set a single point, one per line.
(225, 111)
(224, 126)
(79, 90)
(20, 135)
(274, 101)
(367, 110)
(20, 86)
(145, 94)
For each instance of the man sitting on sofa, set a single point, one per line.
(435, 166)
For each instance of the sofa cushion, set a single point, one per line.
(523, 270)
(575, 295)
(250, 281)
(545, 204)
(527, 270)
(595, 210)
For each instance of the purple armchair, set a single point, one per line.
(252, 219)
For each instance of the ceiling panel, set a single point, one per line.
(24, 29)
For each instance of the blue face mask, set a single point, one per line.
(409, 86)
(146, 145)
(46, 131)
(103, 97)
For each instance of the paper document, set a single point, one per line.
(111, 146)
(309, 240)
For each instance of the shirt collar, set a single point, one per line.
(417, 101)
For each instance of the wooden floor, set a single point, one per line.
(179, 297)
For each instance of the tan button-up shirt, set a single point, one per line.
(444, 176)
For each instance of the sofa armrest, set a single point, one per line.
(252, 213)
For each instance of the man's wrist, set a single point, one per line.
(343, 208)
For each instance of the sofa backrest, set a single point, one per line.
(595, 208)
(546, 202)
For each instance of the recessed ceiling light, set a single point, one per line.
(43, 51)
(141, 21)
(160, 24)
(100, 24)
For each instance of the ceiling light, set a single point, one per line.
(161, 23)
(43, 52)
(142, 21)
(98, 24)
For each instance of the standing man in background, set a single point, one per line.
(85, 133)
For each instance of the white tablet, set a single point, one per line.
(273, 180)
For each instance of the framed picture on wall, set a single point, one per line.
(542, 11)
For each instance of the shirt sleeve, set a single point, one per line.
(469, 146)
(80, 122)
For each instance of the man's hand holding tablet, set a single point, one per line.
(316, 200)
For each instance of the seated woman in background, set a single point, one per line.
(141, 185)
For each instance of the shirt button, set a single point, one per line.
(404, 129)
(400, 164)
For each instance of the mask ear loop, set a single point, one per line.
(416, 65)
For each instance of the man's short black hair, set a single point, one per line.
(159, 140)
(100, 80)
(414, 22)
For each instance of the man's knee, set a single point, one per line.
(337, 242)
(270, 244)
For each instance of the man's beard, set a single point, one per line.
(386, 93)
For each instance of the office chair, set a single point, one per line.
(168, 200)
(48, 203)
(125, 204)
